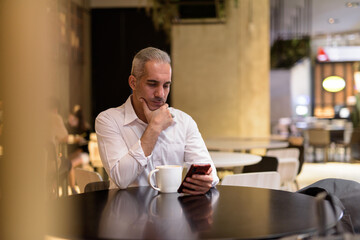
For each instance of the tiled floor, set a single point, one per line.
(335, 168)
(312, 172)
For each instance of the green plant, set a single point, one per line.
(285, 53)
(356, 66)
(166, 12)
(163, 12)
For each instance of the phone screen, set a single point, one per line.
(200, 169)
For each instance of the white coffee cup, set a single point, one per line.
(168, 178)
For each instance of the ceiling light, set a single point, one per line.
(332, 20)
(352, 4)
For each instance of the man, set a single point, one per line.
(144, 132)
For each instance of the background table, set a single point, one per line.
(226, 212)
(243, 144)
(233, 159)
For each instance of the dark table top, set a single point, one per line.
(225, 212)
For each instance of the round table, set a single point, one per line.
(243, 144)
(226, 212)
(233, 159)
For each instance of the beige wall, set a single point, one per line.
(221, 71)
(25, 67)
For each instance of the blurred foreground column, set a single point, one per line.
(25, 72)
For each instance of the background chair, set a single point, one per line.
(83, 177)
(97, 186)
(319, 138)
(298, 142)
(94, 156)
(266, 164)
(94, 152)
(338, 143)
(288, 159)
(269, 180)
(58, 168)
(355, 145)
(345, 195)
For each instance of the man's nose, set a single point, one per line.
(159, 92)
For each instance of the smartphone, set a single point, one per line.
(200, 169)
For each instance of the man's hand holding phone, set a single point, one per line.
(198, 180)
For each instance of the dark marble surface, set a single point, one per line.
(225, 213)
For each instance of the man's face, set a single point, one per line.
(154, 86)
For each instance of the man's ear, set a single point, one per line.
(132, 82)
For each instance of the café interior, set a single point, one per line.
(263, 80)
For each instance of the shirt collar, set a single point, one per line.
(130, 114)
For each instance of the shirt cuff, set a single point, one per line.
(138, 154)
(215, 182)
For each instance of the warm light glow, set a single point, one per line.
(325, 112)
(351, 100)
(352, 4)
(303, 100)
(333, 84)
(357, 80)
(302, 110)
(344, 113)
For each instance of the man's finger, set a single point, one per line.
(206, 178)
(165, 105)
(198, 183)
(145, 106)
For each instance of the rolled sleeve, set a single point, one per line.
(137, 153)
(123, 163)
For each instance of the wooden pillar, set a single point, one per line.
(221, 71)
(25, 65)
(254, 67)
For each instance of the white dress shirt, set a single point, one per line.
(119, 131)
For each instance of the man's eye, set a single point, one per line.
(167, 86)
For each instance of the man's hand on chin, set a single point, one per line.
(160, 118)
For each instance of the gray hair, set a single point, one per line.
(145, 55)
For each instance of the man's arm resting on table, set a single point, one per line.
(123, 163)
